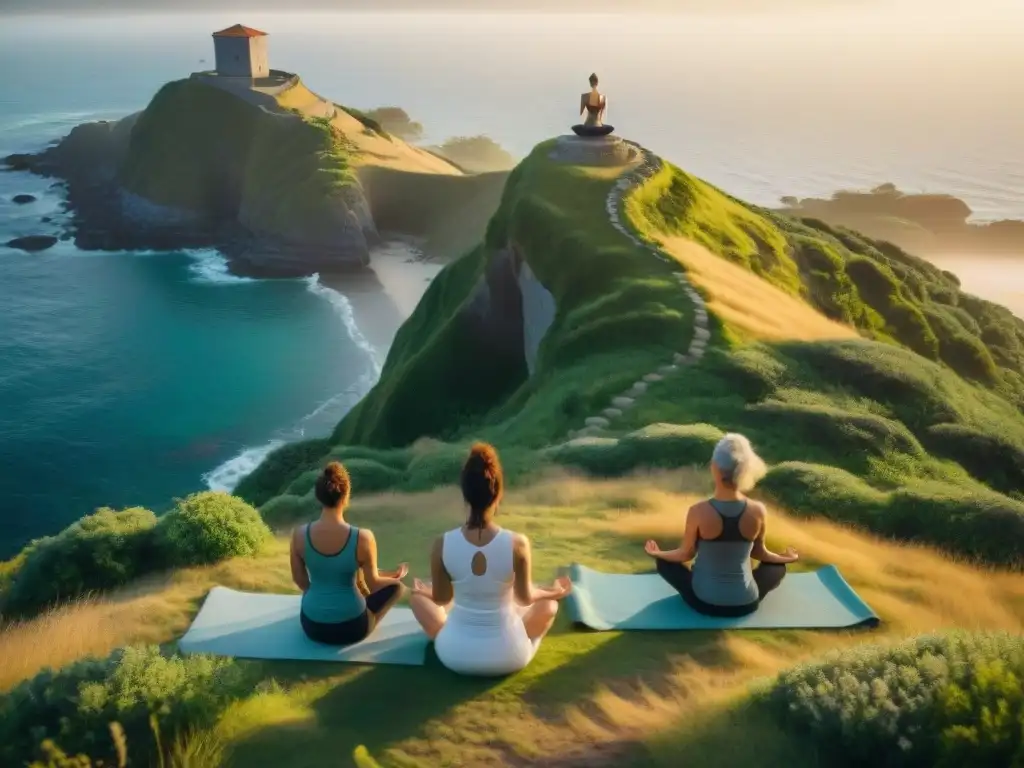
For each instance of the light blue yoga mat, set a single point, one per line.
(247, 625)
(811, 600)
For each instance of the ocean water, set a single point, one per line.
(130, 378)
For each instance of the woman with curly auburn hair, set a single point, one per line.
(482, 610)
(328, 556)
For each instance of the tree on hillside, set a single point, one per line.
(476, 153)
(397, 122)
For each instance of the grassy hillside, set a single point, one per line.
(593, 698)
(878, 454)
(815, 354)
(289, 167)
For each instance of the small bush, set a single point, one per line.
(669, 445)
(99, 552)
(210, 526)
(286, 509)
(74, 706)
(281, 466)
(939, 700)
(993, 459)
(815, 489)
(369, 476)
(303, 484)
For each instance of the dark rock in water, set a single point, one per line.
(65, 237)
(46, 219)
(19, 162)
(23, 199)
(33, 243)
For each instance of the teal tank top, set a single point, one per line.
(333, 596)
(721, 572)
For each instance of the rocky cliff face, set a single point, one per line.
(510, 309)
(200, 166)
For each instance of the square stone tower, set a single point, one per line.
(241, 52)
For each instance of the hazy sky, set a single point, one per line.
(484, 6)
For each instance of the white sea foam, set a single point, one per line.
(343, 307)
(210, 266)
(227, 476)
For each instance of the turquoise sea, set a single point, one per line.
(131, 378)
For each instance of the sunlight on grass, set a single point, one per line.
(753, 307)
(589, 695)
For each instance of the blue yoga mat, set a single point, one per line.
(812, 600)
(247, 625)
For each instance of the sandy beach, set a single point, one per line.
(384, 297)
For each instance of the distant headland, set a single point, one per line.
(928, 224)
(246, 159)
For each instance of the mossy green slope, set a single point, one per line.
(200, 149)
(886, 293)
(885, 431)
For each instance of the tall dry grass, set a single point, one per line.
(668, 684)
(752, 306)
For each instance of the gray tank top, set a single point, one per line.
(721, 571)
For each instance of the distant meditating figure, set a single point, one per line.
(594, 104)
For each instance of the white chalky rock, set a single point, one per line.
(701, 333)
(622, 401)
(668, 368)
(611, 413)
(652, 377)
(597, 421)
(679, 358)
(638, 388)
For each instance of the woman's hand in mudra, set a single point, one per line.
(561, 588)
(651, 548)
(402, 571)
(422, 588)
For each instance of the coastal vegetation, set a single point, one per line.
(886, 401)
(598, 698)
(905, 409)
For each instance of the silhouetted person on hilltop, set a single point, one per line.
(328, 556)
(482, 610)
(723, 533)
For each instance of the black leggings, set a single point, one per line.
(351, 631)
(767, 576)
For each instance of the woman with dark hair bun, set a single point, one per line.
(328, 558)
(482, 610)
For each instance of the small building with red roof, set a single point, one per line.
(241, 52)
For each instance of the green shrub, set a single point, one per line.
(992, 458)
(669, 445)
(303, 484)
(665, 446)
(968, 356)
(852, 438)
(983, 719)
(210, 526)
(369, 476)
(99, 552)
(977, 522)
(939, 700)
(74, 706)
(830, 492)
(286, 509)
(279, 468)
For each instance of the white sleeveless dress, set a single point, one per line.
(484, 633)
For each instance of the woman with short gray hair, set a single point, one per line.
(723, 533)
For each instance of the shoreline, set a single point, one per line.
(372, 303)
